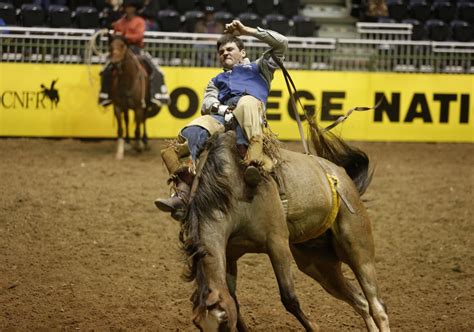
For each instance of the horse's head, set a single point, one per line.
(118, 48)
(218, 313)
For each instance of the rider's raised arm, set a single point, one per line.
(276, 41)
(210, 98)
(279, 46)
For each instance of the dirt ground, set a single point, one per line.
(82, 246)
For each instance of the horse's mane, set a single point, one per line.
(214, 195)
(336, 150)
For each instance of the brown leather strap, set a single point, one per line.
(289, 85)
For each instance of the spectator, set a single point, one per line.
(209, 24)
(377, 8)
(45, 3)
(205, 53)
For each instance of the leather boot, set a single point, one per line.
(177, 201)
(252, 175)
(256, 160)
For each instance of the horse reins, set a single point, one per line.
(290, 85)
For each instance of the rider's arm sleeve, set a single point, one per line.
(210, 98)
(279, 46)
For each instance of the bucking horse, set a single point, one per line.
(311, 212)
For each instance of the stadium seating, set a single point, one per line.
(19, 3)
(397, 9)
(7, 13)
(236, 7)
(169, 20)
(438, 30)
(303, 26)
(73, 4)
(32, 15)
(216, 5)
(440, 20)
(419, 31)
(183, 6)
(163, 4)
(444, 10)
(263, 7)
(420, 10)
(59, 16)
(99, 4)
(190, 19)
(250, 19)
(289, 8)
(383, 19)
(462, 31)
(277, 22)
(466, 11)
(223, 17)
(87, 17)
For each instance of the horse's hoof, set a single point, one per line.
(119, 156)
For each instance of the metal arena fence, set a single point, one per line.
(379, 48)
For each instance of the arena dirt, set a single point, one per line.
(83, 248)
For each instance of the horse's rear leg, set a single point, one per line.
(324, 266)
(120, 142)
(231, 278)
(280, 256)
(354, 244)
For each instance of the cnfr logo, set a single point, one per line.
(46, 98)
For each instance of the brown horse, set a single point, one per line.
(128, 91)
(325, 224)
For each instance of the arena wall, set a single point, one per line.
(413, 107)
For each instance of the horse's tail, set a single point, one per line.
(336, 150)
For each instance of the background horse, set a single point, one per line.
(129, 90)
(222, 225)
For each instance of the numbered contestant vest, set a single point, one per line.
(241, 80)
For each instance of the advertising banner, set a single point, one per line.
(61, 101)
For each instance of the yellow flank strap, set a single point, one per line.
(331, 217)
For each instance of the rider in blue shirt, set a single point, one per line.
(237, 95)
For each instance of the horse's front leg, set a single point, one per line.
(145, 136)
(127, 135)
(281, 258)
(231, 278)
(139, 119)
(120, 142)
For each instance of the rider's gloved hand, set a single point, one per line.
(228, 117)
(222, 110)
